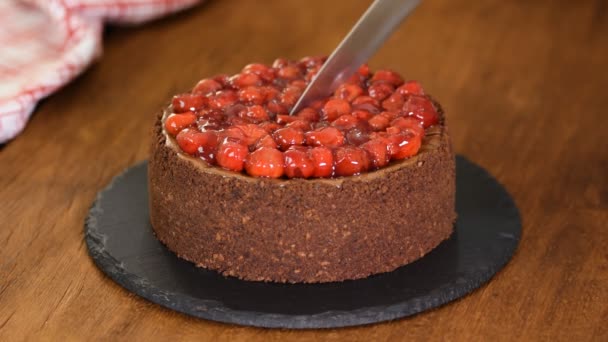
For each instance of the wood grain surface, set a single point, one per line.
(525, 85)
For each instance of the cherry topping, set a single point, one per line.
(410, 88)
(298, 164)
(404, 144)
(351, 160)
(325, 136)
(187, 102)
(265, 162)
(231, 154)
(378, 151)
(348, 92)
(288, 136)
(334, 108)
(242, 122)
(422, 108)
(176, 122)
(380, 90)
(387, 76)
(193, 142)
(207, 86)
(323, 160)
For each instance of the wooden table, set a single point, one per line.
(525, 85)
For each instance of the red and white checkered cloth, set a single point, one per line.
(46, 43)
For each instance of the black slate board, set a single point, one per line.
(121, 242)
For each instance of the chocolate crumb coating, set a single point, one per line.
(302, 230)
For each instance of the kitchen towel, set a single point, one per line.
(44, 44)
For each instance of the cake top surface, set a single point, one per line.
(241, 123)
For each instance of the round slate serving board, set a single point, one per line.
(122, 244)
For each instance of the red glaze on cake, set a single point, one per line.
(359, 183)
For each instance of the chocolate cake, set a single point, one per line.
(290, 221)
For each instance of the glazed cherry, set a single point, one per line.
(404, 144)
(387, 76)
(298, 164)
(265, 162)
(323, 160)
(193, 142)
(231, 154)
(242, 122)
(422, 108)
(187, 102)
(378, 151)
(334, 108)
(351, 160)
(207, 86)
(326, 136)
(380, 90)
(288, 136)
(177, 122)
(410, 88)
(348, 92)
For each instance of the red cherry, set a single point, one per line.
(233, 132)
(323, 160)
(378, 151)
(253, 95)
(364, 70)
(300, 124)
(357, 136)
(351, 161)
(265, 162)
(197, 143)
(404, 144)
(380, 121)
(311, 73)
(222, 79)
(223, 99)
(289, 72)
(266, 141)
(345, 122)
(231, 154)
(367, 103)
(270, 126)
(271, 93)
(252, 133)
(279, 63)
(187, 102)
(308, 114)
(410, 88)
(177, 122)
(276, 108)
(288, 136)
(265, 72)
(422, 108)
(298, 164)
(207, 86)
(387, 76)
(298, 84)
(245, 79)
(312, 61)
(326, 136)
(348, 92)
(362, 114)
(393, 102)
(255, 113)
(284, 119)
(380, 90)
(334, 108)
(290, 96)
(409, 123)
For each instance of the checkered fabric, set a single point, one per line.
(46, 43)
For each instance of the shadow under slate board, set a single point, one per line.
(121, 242)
